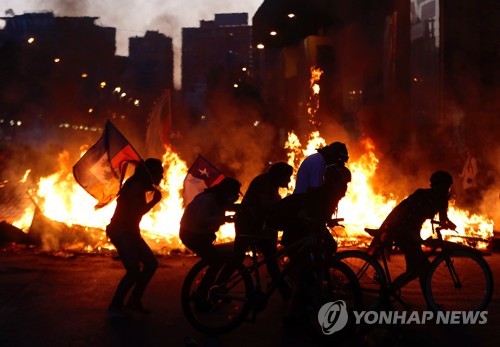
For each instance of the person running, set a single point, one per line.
(125, 234)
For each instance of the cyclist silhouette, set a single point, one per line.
(312, 169)
(301, 214)
(405, 221)
(202, 218)
(262, 194)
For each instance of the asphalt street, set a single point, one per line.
(48, 300)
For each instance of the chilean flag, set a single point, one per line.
(101, 170)
(201, 175)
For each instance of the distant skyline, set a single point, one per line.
(133, 18)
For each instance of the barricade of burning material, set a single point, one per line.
(53, 236)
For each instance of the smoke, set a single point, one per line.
(134, 18)
(234, 137)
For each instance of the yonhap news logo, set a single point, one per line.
(333, 316)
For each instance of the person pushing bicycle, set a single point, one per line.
(404, 222)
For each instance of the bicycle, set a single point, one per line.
(234, 299)
(457, 279)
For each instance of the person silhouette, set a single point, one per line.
(262, 194)
(201, 219)
(302, 214)
(404, 222)
(312, 169)
(125, 234)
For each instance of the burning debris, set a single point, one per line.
(62, 215)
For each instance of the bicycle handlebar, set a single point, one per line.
(441, 226)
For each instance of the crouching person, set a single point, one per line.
(202, 218)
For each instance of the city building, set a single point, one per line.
(217, 54)
(404, 73)
(60, 76)
(150, 71)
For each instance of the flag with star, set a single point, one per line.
(201, 175)
(101, 170)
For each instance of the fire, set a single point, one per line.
(61, 199)
(363, 207)
(313, 103)
(296, 154)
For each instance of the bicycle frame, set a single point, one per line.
(437, 246)
(256, 264)
(309, 242)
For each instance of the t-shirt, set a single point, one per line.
(310, 173)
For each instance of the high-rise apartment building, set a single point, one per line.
(218, 52)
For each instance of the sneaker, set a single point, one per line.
(117, 311)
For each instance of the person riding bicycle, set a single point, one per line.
(404, 222)
(262, 194)
(302, 214)
(312, 169)
(202, 218)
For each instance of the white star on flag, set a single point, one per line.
(204, 172)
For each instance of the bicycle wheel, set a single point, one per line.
(344, 285)
(227, 304)
(370, 275)
(338, 284)
(460, 280)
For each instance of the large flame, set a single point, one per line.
(61, 199)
